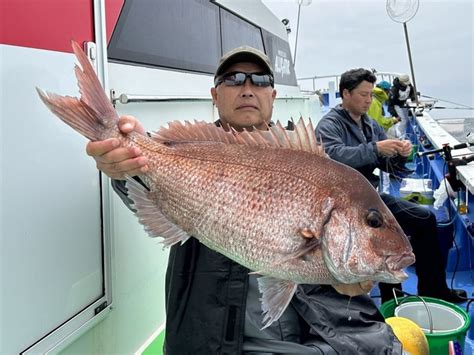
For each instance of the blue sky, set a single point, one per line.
(336, 35)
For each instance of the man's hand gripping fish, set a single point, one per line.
(269, 200)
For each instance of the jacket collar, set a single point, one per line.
(363, 135)
(364, 118)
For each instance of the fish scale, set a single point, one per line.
(269, 200)
(263, 245)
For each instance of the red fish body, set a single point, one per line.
(271, 201)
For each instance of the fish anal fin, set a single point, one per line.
(276, 295)
(155, 223)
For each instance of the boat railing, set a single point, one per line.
(320, 83)
(132, 98)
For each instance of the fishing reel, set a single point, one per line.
(451, 162)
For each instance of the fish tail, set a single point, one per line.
(93, 114)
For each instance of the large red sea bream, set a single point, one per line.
(269, 200)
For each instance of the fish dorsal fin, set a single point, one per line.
(152, 219)
(198, 131)
(302, 138)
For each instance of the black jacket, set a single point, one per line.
(394, 98)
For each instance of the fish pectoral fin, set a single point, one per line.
(150, 216)
(307, 233)
(276, 295)
(308, 244)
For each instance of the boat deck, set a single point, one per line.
(454, 232)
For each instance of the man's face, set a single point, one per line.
(247, 105)
(358, 100)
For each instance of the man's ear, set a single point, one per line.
(345, 91)
(214, 95)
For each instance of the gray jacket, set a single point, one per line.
(346, 143)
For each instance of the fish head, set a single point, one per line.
(363, 241)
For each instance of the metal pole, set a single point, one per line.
(297, 29)
(411, 62)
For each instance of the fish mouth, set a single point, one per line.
(392, 270)
(395, 276)
(398, 262)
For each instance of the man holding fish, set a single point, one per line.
(213, 304)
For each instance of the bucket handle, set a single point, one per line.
(430, 318)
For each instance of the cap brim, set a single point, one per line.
(241, 57)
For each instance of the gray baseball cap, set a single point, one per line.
(243, 54)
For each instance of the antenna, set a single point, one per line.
(402, 11)
(305, 3)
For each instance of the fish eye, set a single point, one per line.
(374, 218)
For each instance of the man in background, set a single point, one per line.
(376, 109)
(352, 138)
(400, 92)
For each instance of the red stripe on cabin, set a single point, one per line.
(112, 10)
(52, 24)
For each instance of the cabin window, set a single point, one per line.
(191, 35)
(180, 34)
(237, 32)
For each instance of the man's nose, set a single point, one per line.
(247, 88)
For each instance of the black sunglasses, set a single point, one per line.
(239, 78)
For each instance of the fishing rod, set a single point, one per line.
(449, 102)
(451, 162)
(447, 149)
(451, 108)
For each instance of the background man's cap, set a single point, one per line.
(384, 85)
(404, 79)
(243, 54)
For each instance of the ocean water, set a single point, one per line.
(459, 123)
